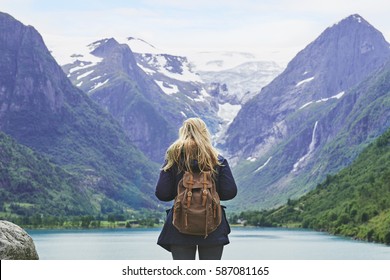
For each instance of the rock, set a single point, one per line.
(15, 243)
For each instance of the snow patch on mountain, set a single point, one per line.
(186, 74)
(146, 70)
(96, 78)
(98, 85)
(167, 88)
(251, 159)
(85, 63)
(85, 74)
(304, 81)
(337, 96)
(358, 18)
(203, 96)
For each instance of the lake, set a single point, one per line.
(245, 244)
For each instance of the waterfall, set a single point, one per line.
(312, 145)
(261, 167)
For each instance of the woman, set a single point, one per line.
(193, 151)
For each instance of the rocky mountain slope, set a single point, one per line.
(315, 117)
(40, 108)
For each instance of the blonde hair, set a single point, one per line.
(194, 143)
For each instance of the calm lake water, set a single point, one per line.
(245, 244)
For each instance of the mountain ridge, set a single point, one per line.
(41, 109)
(282, 131)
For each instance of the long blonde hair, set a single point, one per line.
(194, 143)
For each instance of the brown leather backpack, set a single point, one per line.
(197, 209)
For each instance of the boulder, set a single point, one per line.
(15, 243)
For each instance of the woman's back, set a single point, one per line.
(193, 152)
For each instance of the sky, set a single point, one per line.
(272, 29)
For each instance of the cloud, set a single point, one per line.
(280, 26)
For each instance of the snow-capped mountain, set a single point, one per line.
(231, 77)
(149, 94)
(113, 75)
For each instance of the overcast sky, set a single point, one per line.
(274, 29)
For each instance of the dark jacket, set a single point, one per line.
(166, 190)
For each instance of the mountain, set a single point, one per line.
(354, 202)
(315, 117)
(151, 92)
(41, 109)
(232, 87)
(31, 185)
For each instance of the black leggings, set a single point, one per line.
(184, 252)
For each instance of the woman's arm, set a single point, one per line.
(166, 188)
(227, 188)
